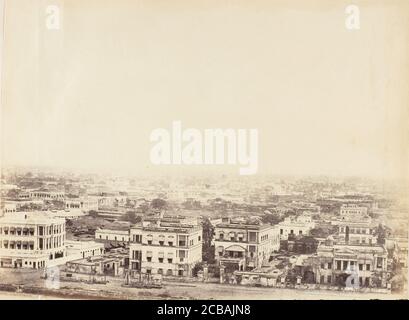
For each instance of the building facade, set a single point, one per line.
(300, 225)
(84, 249)
(168, 246)
(112, 235)
(351, 265)
(31, 240)
(242, 244)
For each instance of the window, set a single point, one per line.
(170, 260)
(169, 272)
(161, 243)
(329, 265)
(300, 232)
(252, 236)
(221, 235)
(182, 241)
(322, 279)
(379, 262)
(281, 231)
(149, 259)
(199, 238)
(368, 267)
(160, 260)
(160, 271)
(345, 265)
(148, 271)
(182, 254)
(338, 265)
(170, 243)
(149, 242)
(322, 265)
(329, 279)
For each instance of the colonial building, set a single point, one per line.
(244, 244)
(165, 245)
(300, 225)
(31, 239)
(350, 265)
(356, 228)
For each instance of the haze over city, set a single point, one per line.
(323, 98)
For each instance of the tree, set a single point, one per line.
(208, 249)
(93, 213)
(271, 219)
(158, 204)
(131, 217)
(197, 267)
(381, 232)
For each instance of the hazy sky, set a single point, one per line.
(326, 100)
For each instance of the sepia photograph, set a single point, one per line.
(229, 150)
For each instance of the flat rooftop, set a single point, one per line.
(38, 217)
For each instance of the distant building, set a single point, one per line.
(352, 210)
(244, 244)
(47, 195)
(300, 225)
(31, 240)
(84, 203)
(112, 235)
(355, 226)
(165, 245)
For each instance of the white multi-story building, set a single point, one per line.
(244, 244)
(169, 246)
(300, 225)
(31, 239)
(367, 265)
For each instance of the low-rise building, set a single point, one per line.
(84, 249)
(243, 244)
(31, 239)
(112, 235)
(168, 246)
